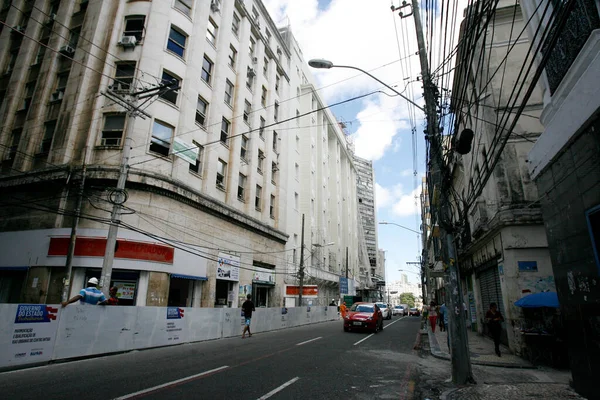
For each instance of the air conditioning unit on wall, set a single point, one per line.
(67, 50)
(128, 41)
(58, 95)
(214, 6)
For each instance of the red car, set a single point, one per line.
(364, 316)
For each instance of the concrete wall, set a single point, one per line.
(82, 330)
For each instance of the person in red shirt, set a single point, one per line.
(113, 300)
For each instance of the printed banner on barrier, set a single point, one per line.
(175, 325)
(30, 337)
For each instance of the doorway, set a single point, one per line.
(180, 292)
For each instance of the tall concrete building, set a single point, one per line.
(366, 208)
(214, 194)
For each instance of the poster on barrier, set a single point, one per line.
(29, 338)
(175, 325)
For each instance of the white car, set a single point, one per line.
(385, 311)
(398, 310)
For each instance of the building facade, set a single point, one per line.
(324, 174)
(503, 251)
(565, 165)
(210, 178)
(367, 211)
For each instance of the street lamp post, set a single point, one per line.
(400, 226)
(326, 64)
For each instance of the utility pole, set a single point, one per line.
(133, 110)
(346, 262)
(461, 362)
(73, 238)
(301, 267)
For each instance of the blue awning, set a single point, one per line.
(14, 268)
(194, 278)
(537, 300)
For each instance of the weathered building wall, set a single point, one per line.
(571, 187)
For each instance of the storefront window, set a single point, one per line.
(125, 281)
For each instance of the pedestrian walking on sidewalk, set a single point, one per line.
(432, 315)
(443, 317)
(247, 309)
(494, 319)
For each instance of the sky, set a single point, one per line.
(366, 34)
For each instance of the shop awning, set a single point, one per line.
(194, 278)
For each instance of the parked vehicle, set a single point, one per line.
(414, 312)
(398, 310)
(385, 310)
(364, 316)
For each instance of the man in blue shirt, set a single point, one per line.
(444, 312)
(90, 295)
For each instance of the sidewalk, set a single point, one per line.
(498, 378)
(481, 349)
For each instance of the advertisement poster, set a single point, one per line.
(244, 291)
(175, 325)
(343, 286)
(30, 337)
(125, 290)
(228, 267)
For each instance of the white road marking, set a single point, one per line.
(393, 322)
(154, 388)
(278, 389)
(308, 341)
(362, 340)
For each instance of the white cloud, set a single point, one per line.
(402, 204)
(383, 196)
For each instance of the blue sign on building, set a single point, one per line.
(343, 285)
(528, 266)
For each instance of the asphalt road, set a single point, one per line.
(318, 361)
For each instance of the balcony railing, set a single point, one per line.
(583, 19)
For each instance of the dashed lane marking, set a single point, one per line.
(278, 389)
(171, 384)
(308, 341)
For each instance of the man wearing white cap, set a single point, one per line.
(89, 295)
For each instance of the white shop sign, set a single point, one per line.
(29, 338)
(263, 275)
(228, 267)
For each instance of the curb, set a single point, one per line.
(434, 348)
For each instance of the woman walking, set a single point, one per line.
(432, 315)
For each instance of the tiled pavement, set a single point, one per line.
(513, 391)
(482, 353)
(481, 349)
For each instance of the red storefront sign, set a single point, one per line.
(307, 290)
(129, 249)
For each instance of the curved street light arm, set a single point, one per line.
(383, 83)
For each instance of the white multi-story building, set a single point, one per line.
(322, 168)
(214, 192)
